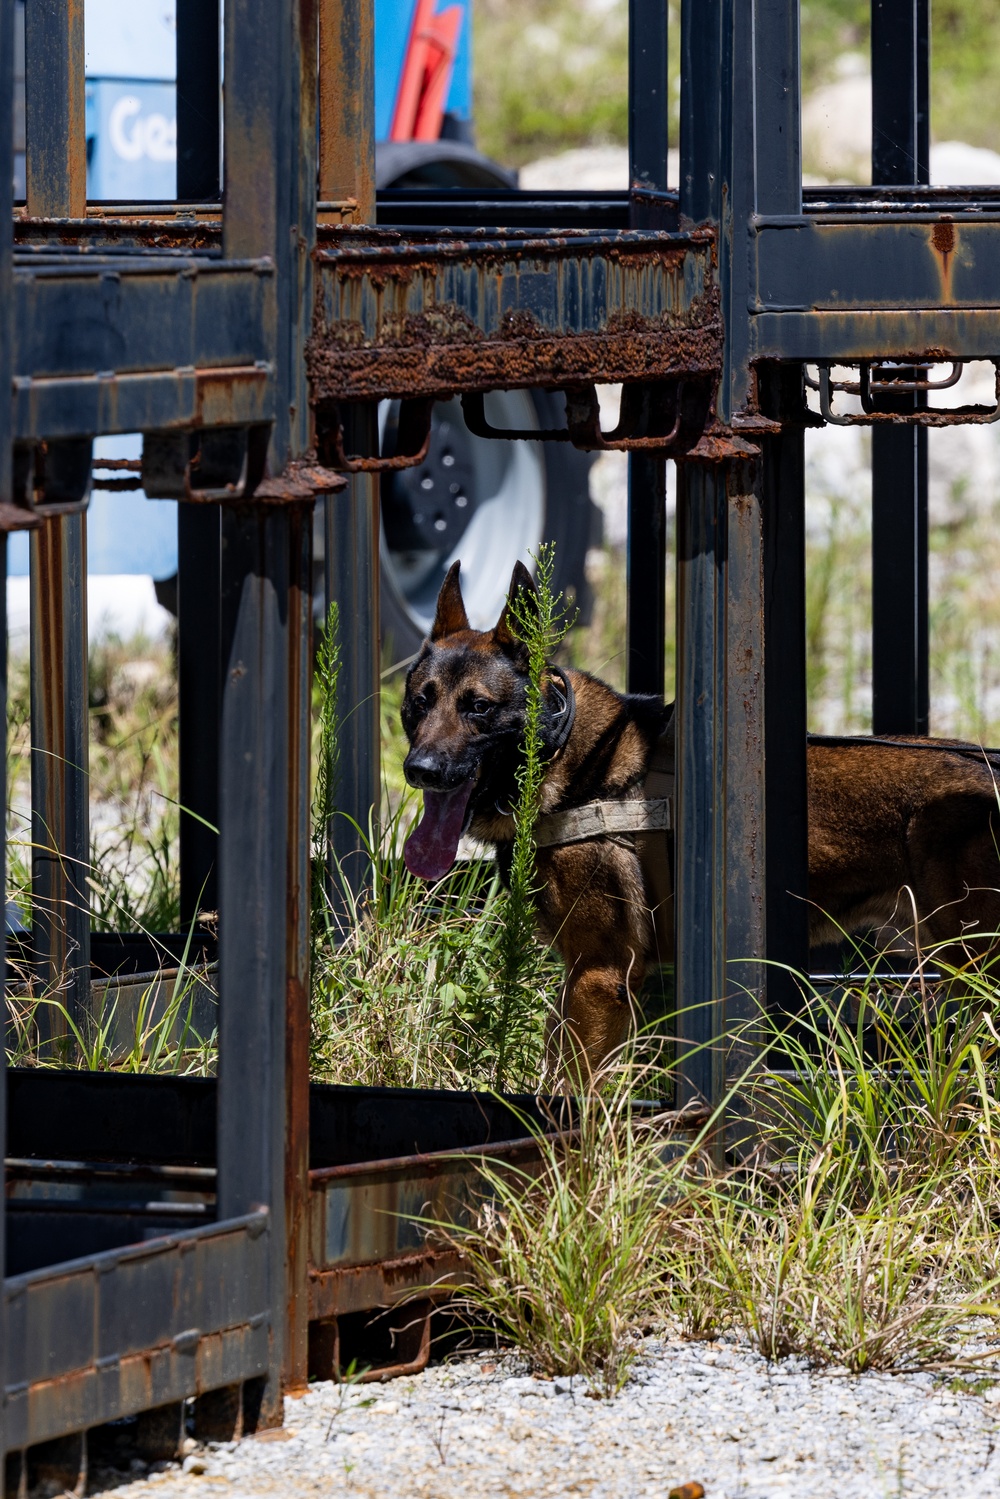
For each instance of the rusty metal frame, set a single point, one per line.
(233, 344)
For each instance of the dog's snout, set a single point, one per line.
(429, 770)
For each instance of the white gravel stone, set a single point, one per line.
(715, 1414)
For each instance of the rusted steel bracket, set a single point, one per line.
(227, 465)
(663, 417)
(882, 379)
(413, 435)
(303, 479)
(50, 478)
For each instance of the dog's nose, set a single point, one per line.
(429, 770)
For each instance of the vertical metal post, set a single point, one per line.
(352, 578)
(253, 933)
(270, 209)
(776, 134)
(353, 526)
(298, 875)
(786, 708)
(746, 847)
(647, 474)
(700, 839)
(6, 498)
(56, 175)
(60, 776)
(900, 46)
(199, 99)
(198, 526)
(55, 109)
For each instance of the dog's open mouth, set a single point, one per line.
(431, 848)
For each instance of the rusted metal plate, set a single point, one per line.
(404, 316)
(96, 1339)
(911, 261)
(380, 1210)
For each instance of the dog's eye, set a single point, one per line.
(480, 707)
(419, 703)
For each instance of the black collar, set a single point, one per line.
(564, 716)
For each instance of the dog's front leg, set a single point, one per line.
(593, 1022)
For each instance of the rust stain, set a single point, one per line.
(943, 237)
(943, 242)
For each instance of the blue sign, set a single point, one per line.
(131, 140)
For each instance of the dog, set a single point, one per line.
(883, 816)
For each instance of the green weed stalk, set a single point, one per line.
(540, 621)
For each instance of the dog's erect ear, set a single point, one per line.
(450, 615)
(521, 582)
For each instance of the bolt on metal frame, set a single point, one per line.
(232, 338)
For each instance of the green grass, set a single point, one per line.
(853, 1222)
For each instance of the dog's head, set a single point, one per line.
(463, 712)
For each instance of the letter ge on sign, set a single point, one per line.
(134, 136)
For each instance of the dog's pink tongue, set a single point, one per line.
(431, 848)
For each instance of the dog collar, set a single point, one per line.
(564, 716)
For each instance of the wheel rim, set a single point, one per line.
(506, 524)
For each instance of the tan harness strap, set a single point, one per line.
(599, 819)
(650, 817)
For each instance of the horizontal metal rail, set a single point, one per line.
(93, 1340)
(85, 314)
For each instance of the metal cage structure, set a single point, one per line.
(248, 331)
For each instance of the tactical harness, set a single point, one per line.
(642, 819)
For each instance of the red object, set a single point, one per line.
(426, 72)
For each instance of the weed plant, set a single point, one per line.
(540, 620)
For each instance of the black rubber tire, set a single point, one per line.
(570, 519)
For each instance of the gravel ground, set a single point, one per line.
(710, 1414)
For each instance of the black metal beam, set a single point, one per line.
(351, 557)
(270, 173)
(900, 46)
(6, 498)
(199, 98)
(199, 552)
(646, 563)
(786, 834)
(199, 585)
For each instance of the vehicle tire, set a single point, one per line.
(488, 502)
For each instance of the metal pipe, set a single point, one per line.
(60, 781)
(900, 51)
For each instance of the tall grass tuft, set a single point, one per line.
(570, 1261)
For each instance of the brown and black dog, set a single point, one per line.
(882, 817)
